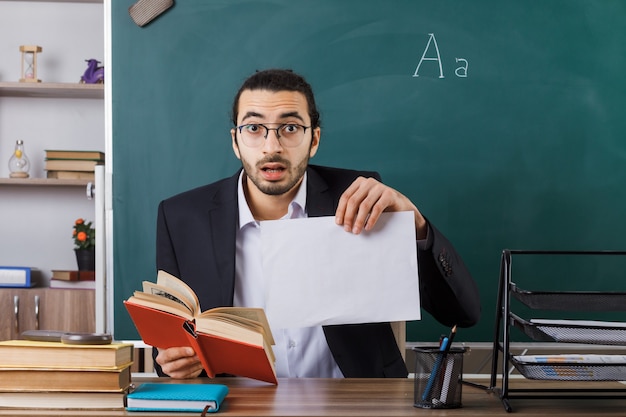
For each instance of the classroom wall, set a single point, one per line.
(502, 120)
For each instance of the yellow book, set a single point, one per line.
(71, 164)
(28, 353)
(65, 380)
(71, 175)
(62, 400)
(73, 154)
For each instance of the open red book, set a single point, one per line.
(230, 340)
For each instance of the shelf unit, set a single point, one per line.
(49, 90)
(563, 331)
(42, 182)
(61, 1)
(58, 113)
(52, 90)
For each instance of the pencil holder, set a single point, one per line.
(438, 377)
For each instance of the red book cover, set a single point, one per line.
(217, 354)
(226, 356)
(158, 328)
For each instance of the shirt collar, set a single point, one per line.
(297, 207)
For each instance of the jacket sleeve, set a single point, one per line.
(447, 290)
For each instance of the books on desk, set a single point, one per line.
(65, 379)
(178, 397)
(37, 374)
(62, 400)
(29, 353)
(229, 340)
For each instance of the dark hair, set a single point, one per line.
(278, 80)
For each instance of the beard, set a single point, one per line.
(294, 175)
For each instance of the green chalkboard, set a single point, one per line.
(504, 121)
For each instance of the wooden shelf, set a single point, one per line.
(51, 90)
(42, 182)
(63, 1)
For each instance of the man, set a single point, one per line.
(210, 237)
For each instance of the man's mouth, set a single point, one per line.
(273, 172)
(273, 169)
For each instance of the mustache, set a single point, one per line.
(274, 159)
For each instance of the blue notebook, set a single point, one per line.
(176, 397)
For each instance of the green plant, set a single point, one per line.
(83, 234)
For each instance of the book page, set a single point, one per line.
(180, 287)
(230, 330)
(245, 314)
(161, 303)
(249, 318)
(167, 294)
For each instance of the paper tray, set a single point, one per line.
(572, 331)
(571, 371)
(571, 300)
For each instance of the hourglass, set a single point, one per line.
(29, 63)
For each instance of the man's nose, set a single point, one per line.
(272, 141)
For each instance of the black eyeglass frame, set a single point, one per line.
(277, 129)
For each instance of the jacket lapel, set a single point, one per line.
(319, 202)
(223, 215)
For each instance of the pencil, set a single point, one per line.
(443, 351)
(449, 367)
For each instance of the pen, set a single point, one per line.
(435, 371)
(449, 368)
(451, 337)
(443, 351)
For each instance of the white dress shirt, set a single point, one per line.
(300, 352)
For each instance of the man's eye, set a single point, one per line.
(253, 128)
(290, 128)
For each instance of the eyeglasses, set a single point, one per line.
(289, 135)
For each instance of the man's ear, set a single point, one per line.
(315, 141)
(233, 135)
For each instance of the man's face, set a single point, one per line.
(273, 168)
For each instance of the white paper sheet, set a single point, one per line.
(318, 274)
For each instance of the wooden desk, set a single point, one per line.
(358, 397)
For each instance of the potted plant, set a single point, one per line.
(84, 245)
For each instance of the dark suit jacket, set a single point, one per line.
(196, 242)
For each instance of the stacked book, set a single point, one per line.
(69, 164)
(84, 280)
(42, 375)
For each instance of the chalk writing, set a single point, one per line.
(461, 71)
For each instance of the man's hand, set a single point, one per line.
(179, 362)
(366, 199)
